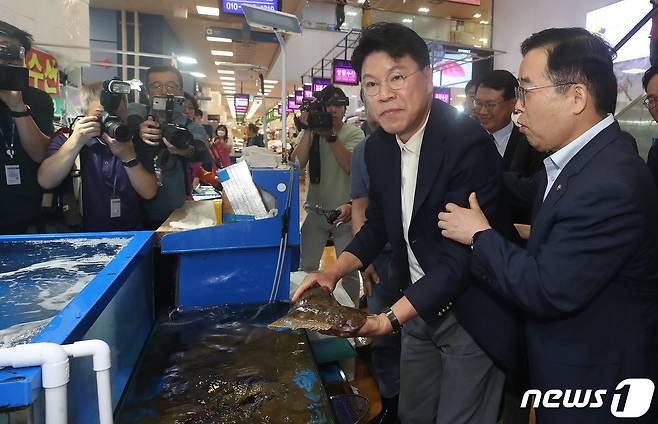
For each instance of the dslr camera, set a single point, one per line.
(318, 117)
(171, 105)
(12, 77)
(111, 96)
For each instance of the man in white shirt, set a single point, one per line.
(494, 103)
(423, 153)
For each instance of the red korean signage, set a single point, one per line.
(44, 74)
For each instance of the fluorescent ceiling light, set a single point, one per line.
(423, 9)
(271, 82)
(186, 59)
(225, 72)
(268, 87)
(407, 20)
(228, 84)
(205, 10)
(484, 40)
(227, 78)
(361, 1)
(484, 22)
(198, 74)
(221, 53)
(219, 39)
(634, 71)
(477, 15)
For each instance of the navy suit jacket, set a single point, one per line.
(588, 279)
(457, 157)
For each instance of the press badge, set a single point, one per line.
(13, 174)
(115, 207)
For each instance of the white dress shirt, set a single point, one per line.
(501, 138)
(556, 162)
(409, 158)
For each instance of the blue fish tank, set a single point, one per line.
(211, 360)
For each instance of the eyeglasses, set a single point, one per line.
(170, 86)
(650, 102)
(488, 105)
(521, 92)
(396, 81)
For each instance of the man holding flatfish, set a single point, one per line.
(456, 337)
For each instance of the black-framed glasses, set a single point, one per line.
(396, 81)
(521, 92)
(650, 102)
(169, 86)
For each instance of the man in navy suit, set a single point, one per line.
(454, 334)
(588, 279)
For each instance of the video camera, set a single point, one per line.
(111, 97)
(12, 77)
(180, 137)
(318, 117)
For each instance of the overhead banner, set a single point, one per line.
(43, 71)
(344, 73)
(241, 102)
(319, 84)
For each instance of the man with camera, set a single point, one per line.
(326, 144)
(166, 141)
(22, 145)
(114, 180)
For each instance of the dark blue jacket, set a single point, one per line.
(457, 157)
(588, 279)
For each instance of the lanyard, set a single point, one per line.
(9, 148)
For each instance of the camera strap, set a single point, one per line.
(314, 165)
(9, 147)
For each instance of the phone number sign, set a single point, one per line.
(235, 6)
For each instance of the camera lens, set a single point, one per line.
(117, 130)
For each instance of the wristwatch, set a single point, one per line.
(26, 112)
(130, 163)
(332, 138)
(397, 327)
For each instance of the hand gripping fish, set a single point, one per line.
(318, 310)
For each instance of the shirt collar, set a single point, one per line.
(504, 133)
(415, 141)
(565, 154)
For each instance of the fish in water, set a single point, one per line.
(317, 310)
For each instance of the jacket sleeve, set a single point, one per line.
(448, 275)
(587, 246)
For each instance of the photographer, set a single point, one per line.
(22, 145)
(113, 178)
(170, 154)
(327, 151)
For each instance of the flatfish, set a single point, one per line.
(317, 310)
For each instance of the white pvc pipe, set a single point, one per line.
(100, 352)
(54, 364)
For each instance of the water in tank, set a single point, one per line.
(38, 278)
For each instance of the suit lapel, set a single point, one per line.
(431, 154)
(573, 167)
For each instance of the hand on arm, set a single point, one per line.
(460, 224)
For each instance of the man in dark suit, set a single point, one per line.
(494, 104)
(588, 279)
(453, 333)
